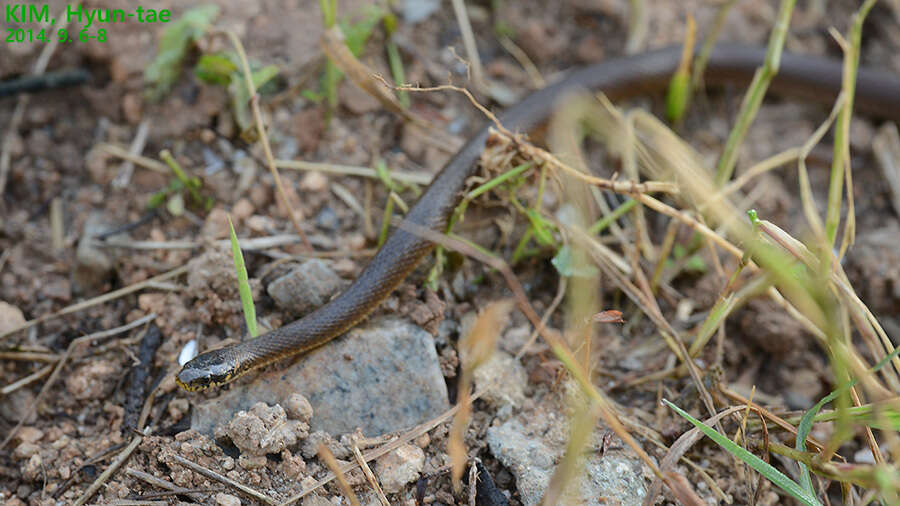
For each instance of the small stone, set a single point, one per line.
(399, 467)
(223, 499)
(29, 434)
(216, 224)
(132, 107)
(178, 408)
(264, 429)
(293, 466)
(32, 470)
(251, 462)
(58, 288)
(382, 377)
(315, 500)
(94, 380)
(228, 463)
(310, 446)
(26, 450)
(299, 408)
(508, 378)
(306, 287)
(242, 209)
(11, 317)
(328, 220)
(314, 181)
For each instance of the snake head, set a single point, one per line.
(206, 370)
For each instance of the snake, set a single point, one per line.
(801, 76)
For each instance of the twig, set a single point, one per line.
(100, 299)
(370, 476)
(350, 170)
(326, 456)
(142, 161)
(56, 372)
(263, 137)
(209, 473)
(12, 387)
(161, 483)
(47, 81)
(465, 29)
(137, 145)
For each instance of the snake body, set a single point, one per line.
(805, 77)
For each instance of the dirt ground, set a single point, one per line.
(60, 183)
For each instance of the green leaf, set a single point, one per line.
(176, 38)
(677, 96)
(243, 283)
(357, 34)
(240, 95)
(761, 466)
(215, 68)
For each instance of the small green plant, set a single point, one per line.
(173, 194)
(224, 69)
(762, 467)
(243, 283)
(173, 46)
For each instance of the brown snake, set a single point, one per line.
(877, 93)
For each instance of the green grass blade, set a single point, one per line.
(243, 283)
(761, 466)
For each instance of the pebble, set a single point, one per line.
(381, 377)
(264, 429)
(29, 434)
(299, 408)
(32, 469)
(223, 499)
(314, 181)
(531, 453)
(328, 220)
(306, 287)
(399, 467)
(11, 317)
(26, 450)
(242, 209)
(216, 224)
(508, 378)
(94, 380)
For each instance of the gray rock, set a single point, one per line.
(382, 378)
(507, 377)
(614, 477)
(306, 287)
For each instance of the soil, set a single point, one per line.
(57, 164)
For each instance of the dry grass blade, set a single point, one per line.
(116, 464)
(62, 362)
(100, 299)
(142, 161)
(161, 483)
(352, 170)
(465, 29)
(678, 449)
(373, 482)
(264, 138)
(12, 387)
(475, 348)
(558, 346)
(209, 473)
(326, 456)
(581, 427)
